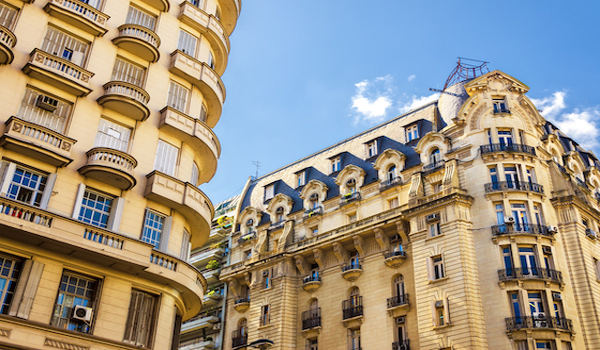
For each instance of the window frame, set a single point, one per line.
(141, 315)
(412, 132)
(108, 214)
(92, 301)
(265, 315)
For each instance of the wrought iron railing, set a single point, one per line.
(534, 273)
(309, 279)
(397, 300)
(348, 267)
(239, 338)
(530, 229)
(513, 186)
(349, 197)
(434, 165)
(405, 345)
(247, 237)
(528, 322)
(389, 183)
(396, 253)
(500, 147)
(311, 318)
(313, 212)
(352, 307)
(242, 300)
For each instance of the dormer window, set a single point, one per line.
(391, 173)
(279, 214)
(269, 192)
(435, 156)
(500, 105)
(314, 200)
(372, 149)
(336, 164)
(351, 185)
(249, 225)
(301, 178)
(412, 133)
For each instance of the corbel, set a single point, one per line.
(318, 253)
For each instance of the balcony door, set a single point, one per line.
(505, 138)
(399, 286)
(519, 213)
(507, 258)
(516, 307)
(354, 297)
(400, 332)
(536, 303)
(112, 135)
(511, 175)
(528, 261)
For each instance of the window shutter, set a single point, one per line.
(8, 170)
(7, 15)
(430, 273)
(434, 314)
(176, 331)
(26, 289)
(446, 311)
(185, 246)
(78, 200)
(164, 236)
(166, 158)
(48, 191)
(195, 174)
(187, 43)
(116, 212)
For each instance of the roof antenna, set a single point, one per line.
(466, 69)
(257, 163)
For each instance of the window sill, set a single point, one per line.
(265, 326)
(435, 328)
(433, 237)
(438, 280)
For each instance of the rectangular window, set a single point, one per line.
(203, 113)
(437, 263)
(198, 3)
(178, 96)
(195, 174)
(312, 344)
(314, 230)
(10, 269)
(27, 186)
(434, 229)
(187, 43)
(354, 339)
(7, 15)
(269, 192)
(128, 72)
(393, 203)
(371, 149)
(140, 319)
(95, 208)
(185, 246)
(439, 312)
(301, 177)
(35, 108)
(264, 315)
(597, 267)
(63, 45)
(75, 290)
(247, 254)
(336, 164)
(140, 17)
(352, 217)
(412, 133)
(153, 228)
(211, 60)
(267, 279)
(499, 105)
(166, 158)
(112, 135)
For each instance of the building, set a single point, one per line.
(108, 110)
(205, 330)
(469, 223)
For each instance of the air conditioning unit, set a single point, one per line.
(552, 229)
(540, 320)
(82, 313)
(591, 233)
(556, 296)
(401, 320)
(433, 217)
(546, 249)
(217, 326)
(509, 220)
(46, 103)
(439, 303)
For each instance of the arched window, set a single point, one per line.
(314, 200)
(391, 173)
(398, 286)
(279, 214)
(242, 327)
(351, 185)
(314, 304)
(355, 261)
(354, 296)
(435, 156)
(249, 225)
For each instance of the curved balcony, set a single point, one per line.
(397, 301)
(230, 11)
(111, 166)
(205, 79)
(241, 304)
(8, 40)
(521, 229)
(513, 186)
(538, 322)
(212, 30)
(37, 142)
(79, 14)
(198, 135)
(500, 147)
(349, 198)
(58, 72)
(395, 259)
(161, 5)
(127, 99)
(540, 274)
(311, 213)
(185, 198)
(139, 41)
(311, 283)
(311, 319)
(352, 308)
(389, 183)
(351, 272)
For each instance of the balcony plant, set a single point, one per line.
(213, 264)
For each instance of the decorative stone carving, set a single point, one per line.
(359, 244)
(381, 239)
(318, 253)
(287, 229)
(340, 253)
(301, 265)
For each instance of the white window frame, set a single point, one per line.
(195, 174)
(136, 15)
(371, 149)
(129, 72)
(336, 164)
(62, 44)
(162, 241)
(112, 135)
(269, 192)
(443, 310)
(9, 170)
(187, 43)
(437, 270)
(167, 158)
(8, 14)
(301, 177)
(55, 120)
(114, 218)
(177, 97)
(265, 315)
(412, 133)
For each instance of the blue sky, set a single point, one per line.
(303, 75)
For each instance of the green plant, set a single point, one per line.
(213, 265)
(208, 339)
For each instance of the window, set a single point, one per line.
(435, 156)
(393, 203)
(312, 344)
(351, 185)
(314, 230)
(10, 269)
(177, 97)
(187, 43)
(543, 345)
(412, 133)
(391, 173)
(218, 13)
(95, 208)
(400, 333)
(139, 327)
(372, 149)
(354, 261)
(499, 209)
(528, 261)
(269, 192)
(75, 290)
(195, 174)
(336, 164)
(211, 60)
(434, 229)
(354, 339)
(499, 105)
(63, 45)
(536, 303)
(185, 246)
(515, 302)
(505, 137)
(314, 200)
(301, 178)
(597, 268)
(140, 17)
(153, 228)
(93, 3)
(27, 186)
(247, 254)
(436, 187)
(34, 110)
(352, 217)
(128, 72)
(507, 259)
(437, 267)
(519, 212)
(198, 3)
(267, 281)
(112, 135)
(279, 214)
(203, 113)
(441, 314)
(7, 15)
(264, 315)
(166, 158)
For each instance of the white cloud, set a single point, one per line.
(412, 77)
(578, 124)
(372, 99)
(417, 101)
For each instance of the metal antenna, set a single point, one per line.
(257, 163)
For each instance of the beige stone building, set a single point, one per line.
(107, 108)
(469, 223)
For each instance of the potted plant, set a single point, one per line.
(213, 264)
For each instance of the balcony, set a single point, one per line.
(394, 259)
(205, 79)
(185, 198)
(230, 11)
(311, 283)
(311, 213)
(161, 5)
(211, 299)
(397, 301)
(239, 338)
(111, 166)
(435, 166)
(205, 255)
(387, 184)
(311, 319)
(405, 345)
(210, 27)
(241, 304)
(521, 229)
(204, 320)
(37, 142)
(352, 308)
(513, 186)
(8, 40)
(198, 345)
(198, 135)
(79, 14)
(349, 198)
(127, 99)
(520, 274)
(538, 322)
(351, 272)
(212, 276)
(139, 41)
(500, 147)
(58, 72)
(247, 237)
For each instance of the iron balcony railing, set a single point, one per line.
(500, 147)
(396, 253)
(277, 225)
(529, 322)
(352, 307)
(511, 229)
(313, 212)
(311, 318)
(242, 300)
(349, 197)
(247, 237)
(582, 183)
(389, 183)
(405, 345)
(534, 273)
(397, 300)
(348, 267)
(513, 186)
(309, 279)
(239, 338)
(434, 165)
